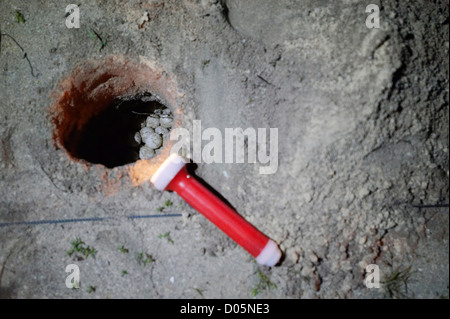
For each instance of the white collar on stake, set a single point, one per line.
(167, 171)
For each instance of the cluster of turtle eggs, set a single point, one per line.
(154, 133)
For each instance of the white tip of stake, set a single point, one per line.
(167, 171)
(270, 255)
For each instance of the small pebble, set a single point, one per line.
(166, 112)
(152, 121)
(313, 257)
(153, 140)
(161, 130)
(166, 121)
(146, 152)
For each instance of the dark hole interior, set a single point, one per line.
(108, 138)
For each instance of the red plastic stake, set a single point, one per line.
(172, 175)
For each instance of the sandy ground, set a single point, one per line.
(363, 124)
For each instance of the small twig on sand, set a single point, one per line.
(93, 34)
(25, 56)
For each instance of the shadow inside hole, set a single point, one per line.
(108, 138)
